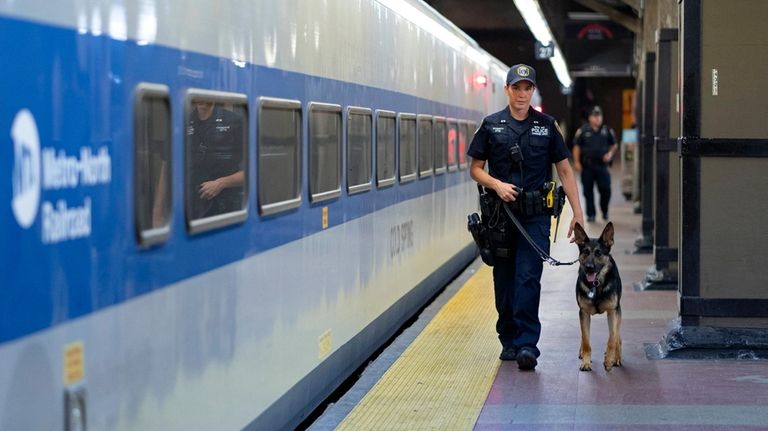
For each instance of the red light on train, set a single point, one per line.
(481, 80)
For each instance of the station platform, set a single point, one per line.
(444, 372)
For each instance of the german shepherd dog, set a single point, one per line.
(598, 290)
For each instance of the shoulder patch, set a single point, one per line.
(559, 130)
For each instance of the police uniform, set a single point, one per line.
(517, 277)
(594, 145)
(215, 150)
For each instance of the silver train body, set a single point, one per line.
(245, 321)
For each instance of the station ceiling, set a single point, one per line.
(595, 36)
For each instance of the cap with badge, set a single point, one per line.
(521, 72)
(595, 111)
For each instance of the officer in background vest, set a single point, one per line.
(520, 145)
(594, 146)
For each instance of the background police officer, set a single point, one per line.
(517, 276)
(593, 148)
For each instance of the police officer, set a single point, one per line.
(593, 148)
(518, 130)
(215, 139)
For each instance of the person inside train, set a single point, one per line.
(594, 146)
(215, 160)
(520, 144)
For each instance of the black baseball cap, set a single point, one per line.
(595, 111)
(521, 72)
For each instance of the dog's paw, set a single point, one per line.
(585, 366)
(611, 362)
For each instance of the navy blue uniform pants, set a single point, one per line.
(517, 287)
(591, 174)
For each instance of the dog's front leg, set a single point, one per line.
(585, 351)
(613, 349)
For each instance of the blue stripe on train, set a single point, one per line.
(80, 90)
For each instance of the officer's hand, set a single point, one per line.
(210, 189)
(607, 157)
(577, 166)
(576, 219)
(507, 192)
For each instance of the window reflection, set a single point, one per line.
(440, 146)
(279, 155)
(407, 147)
(324, 151)
(453, 137)
(425, 146)
(385, 149)
(215, 158)
(359, 152)
(152, 175)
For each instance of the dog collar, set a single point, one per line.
(593, 290)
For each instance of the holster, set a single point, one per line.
(491, 229)
(481, 235)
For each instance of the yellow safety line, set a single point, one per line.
(442, 379)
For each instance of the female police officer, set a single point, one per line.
(520, 144)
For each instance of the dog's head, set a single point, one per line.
(594, 254)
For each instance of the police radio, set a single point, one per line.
(516, 154)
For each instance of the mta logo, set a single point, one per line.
(26, 168)
(523, 71)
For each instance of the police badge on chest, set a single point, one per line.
(540, 131)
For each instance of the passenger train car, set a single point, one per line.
(214, 212)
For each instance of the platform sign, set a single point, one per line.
(544, 52)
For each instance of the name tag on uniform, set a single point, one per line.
(497, 129)
(540, 131)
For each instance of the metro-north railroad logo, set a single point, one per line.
(523, 71)
(26, 168)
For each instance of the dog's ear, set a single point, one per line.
(607, 236)
(579, 235)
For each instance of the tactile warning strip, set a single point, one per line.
(442, 379)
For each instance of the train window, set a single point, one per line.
(279, 155)
(324, 151)
(216, 159)
(359, 143)
(407, 141)
(464, 139)
(152, 164)
(426, 163)
(440, 143)
(453, 137)
(385, 148)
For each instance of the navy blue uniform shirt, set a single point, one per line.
(538, 137)
(593, 144)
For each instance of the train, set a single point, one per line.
(166, 269)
